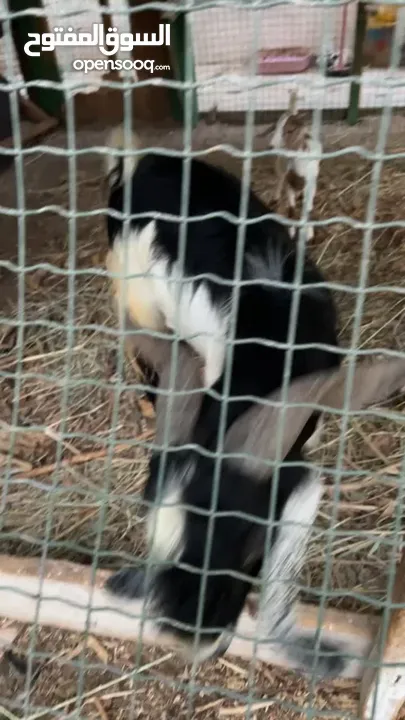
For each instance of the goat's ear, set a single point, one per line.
(372, 383)
(255, 433)
(157, 352)
(183, 410)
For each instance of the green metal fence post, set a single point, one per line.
(179, 50)
(360, 34)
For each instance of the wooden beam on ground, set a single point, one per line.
(182, 50)
(382, 693)
(66, 599)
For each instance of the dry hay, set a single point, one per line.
(96, 675)
(91, 505)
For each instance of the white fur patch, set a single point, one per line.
(136, 255)
(151, 301)
(267, 265)
(203, 324)
(199, 315)
(286, 558)
(308, 167)
(166, 522)
(165, 527)
(291, 198)
(116, 140)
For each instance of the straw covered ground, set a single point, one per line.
(61, 387)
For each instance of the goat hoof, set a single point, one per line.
(128, 583)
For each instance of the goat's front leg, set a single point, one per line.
(291, 198)
(311, 198)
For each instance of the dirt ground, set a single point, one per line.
(64, 396)
(97, 676)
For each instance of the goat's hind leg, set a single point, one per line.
(278, 614)
(311, 198)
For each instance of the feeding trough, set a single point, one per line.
(283, 60)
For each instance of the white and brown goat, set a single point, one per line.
(293, 133)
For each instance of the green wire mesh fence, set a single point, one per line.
(75, 429)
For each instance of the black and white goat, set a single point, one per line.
(178, 531)
(146, 267)
(178, 521)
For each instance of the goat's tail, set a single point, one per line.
(120, 168)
